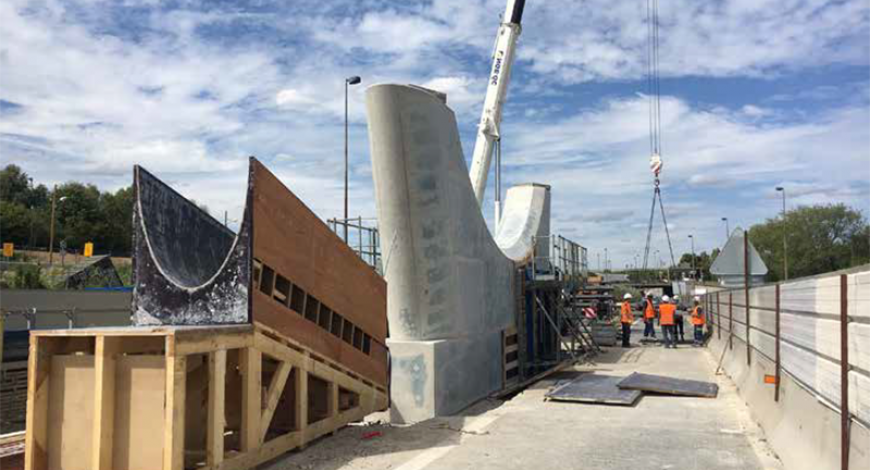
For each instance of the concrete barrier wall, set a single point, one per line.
(804, 425)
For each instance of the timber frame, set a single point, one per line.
(171, 398)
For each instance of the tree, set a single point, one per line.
(703, 261)
(820, 239)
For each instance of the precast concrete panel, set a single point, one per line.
(450, 288)
(526, 214)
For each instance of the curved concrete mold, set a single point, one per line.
(284, 270)
(188, 268)
(451, 287)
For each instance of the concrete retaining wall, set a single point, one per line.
(804, 426)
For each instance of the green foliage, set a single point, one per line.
(83, 214)
(125, 272)
(703, 261)
(820, 239)
(27, 276)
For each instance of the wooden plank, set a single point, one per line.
(140, 397)
(301, 405)
(173, 432)
(251, 362)
(207, 342)
(70, 414)
(276, 388)
(104, 403)
(217, 371)
(36, 438)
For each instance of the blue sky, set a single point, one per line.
(756, 94)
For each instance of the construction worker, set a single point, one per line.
(679, 332)
(649, 315)
(666, 320)
(698, 320)
(626, 318)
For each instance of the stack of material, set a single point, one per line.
(626, 391)
(604, 333)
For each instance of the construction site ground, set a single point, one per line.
(526, 432)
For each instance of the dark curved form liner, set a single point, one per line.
(188, 269)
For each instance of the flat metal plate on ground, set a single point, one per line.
(593, 388)
(669, 385)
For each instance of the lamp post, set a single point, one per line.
(727, 229)
(347, 82)
(784, 242)
(54, 201)
(694, 273)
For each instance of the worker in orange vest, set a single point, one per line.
(649, 315)
(699, 320)
(626, 318)
(667, 310)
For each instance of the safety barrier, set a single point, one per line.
(800, 353)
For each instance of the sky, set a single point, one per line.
(755, 94)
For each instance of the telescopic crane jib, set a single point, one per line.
(490, 120)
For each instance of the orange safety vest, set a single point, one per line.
(666, 314)
(627, 316)
(698, 317)
(650, 311)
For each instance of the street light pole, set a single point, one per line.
(694, 272)
(727, 229)
(347, 82)
(784, 242)
(54, 201)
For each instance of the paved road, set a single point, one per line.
(528, 433)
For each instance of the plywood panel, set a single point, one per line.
(740, 331)
(816, 334)
(764, 296)
(139, 396)
(819, 295)
(822, 375)
(764, 343)
(71, 412)
(859, 396)
(859, 294)
(764, 320)
(859, 346)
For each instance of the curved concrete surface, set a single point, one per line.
(188, 268)
(450, 289)
(526, 214)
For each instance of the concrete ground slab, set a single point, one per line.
(527, 433)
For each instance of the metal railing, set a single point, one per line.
(362, 235)
(556, 257)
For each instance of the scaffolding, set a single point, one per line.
(361, 234)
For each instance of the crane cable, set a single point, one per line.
(655, 125)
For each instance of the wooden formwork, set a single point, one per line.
(227, 397)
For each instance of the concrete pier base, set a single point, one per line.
(442, 377)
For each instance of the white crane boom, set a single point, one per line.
(488, 130)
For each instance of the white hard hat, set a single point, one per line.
(666, 298)
(626, 296)
(676, 297)
(697, 299)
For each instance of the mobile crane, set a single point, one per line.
(488, 130)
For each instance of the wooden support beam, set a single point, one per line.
(36, 424)
(251, 363)
(301, 405)
(217, 379)
(173, 427)
(276, 389)
(104, 402)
